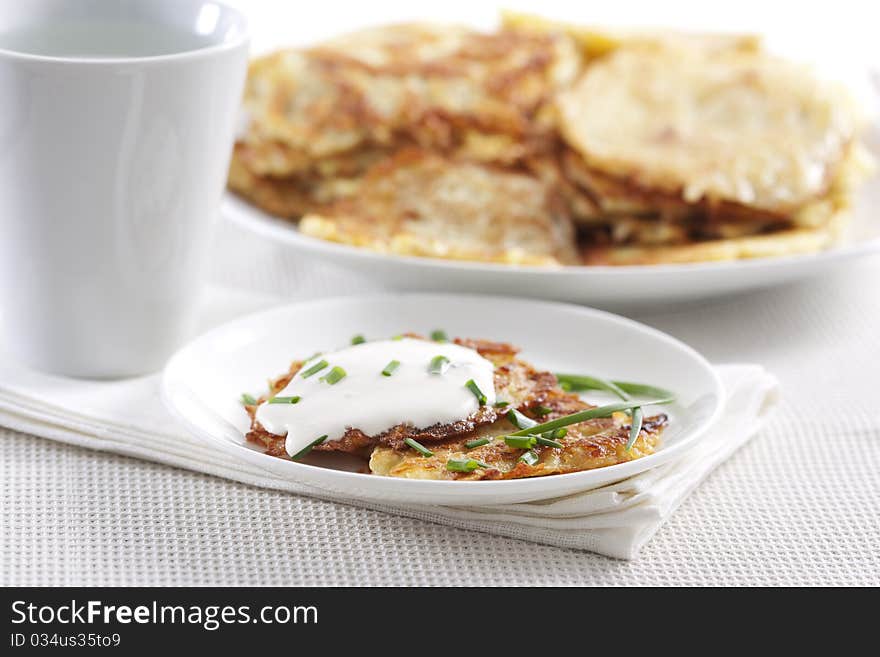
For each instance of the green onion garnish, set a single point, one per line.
(634, 428)
(285, 400)
(438, 364)
(590, 414)
(474, 388)
(519, 420)
(521, 442)
(247, 400)
(335, 375)
(390, 368)
(502, 404)
(529, 458)
(308, 448)
(358, 339)
(541, 411)
(464, 465)
(314, 369)
(478, 442)
(421, 449)
(439, 336)
(622, 389)
(548, 442)
(556, 433)
(397, 337)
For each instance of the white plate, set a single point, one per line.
(204, 381)
(609, 287)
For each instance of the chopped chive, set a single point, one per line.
(589, 414)
(474, 388)
(314, 369)
(390, 368)
(358, 339)
(635, 427)
(464, 465)
(548, 442)
(247, 400)
(556, 433)
(541, 411)
(421, 449)
(529, 458)
(521, 442)
(439, 336)
(335, 375)
(397, 337)
(478, 442)
(285, 400)
(438, 365)
(565, 385)
(519, 420)
(308, 448)
(502, 404)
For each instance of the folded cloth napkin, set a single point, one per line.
(128, 417)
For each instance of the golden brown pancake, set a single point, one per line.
(288, 197)
(734, 127)
(515, 381)
(586, 446)
(782, 242)
(447, 88)
(672, 156)
(728, 232)
(422, 204)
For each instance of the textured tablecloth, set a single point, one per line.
(799, 505)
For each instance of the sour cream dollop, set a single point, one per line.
(368, 400)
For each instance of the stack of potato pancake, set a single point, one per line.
(547, 144)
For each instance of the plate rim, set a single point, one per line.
(244, 214)
(485, 488)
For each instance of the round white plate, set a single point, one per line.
(609, 287)
(203, 382)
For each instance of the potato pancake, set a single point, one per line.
(729, 232)
(447, 88)
(422, 204)
(536, 394)
(734, 127)
(783, 242)
(588, 445)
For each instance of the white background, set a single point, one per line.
(840, 38)
(814, 26)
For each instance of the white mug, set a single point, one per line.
(116, 126)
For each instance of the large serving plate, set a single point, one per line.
(610, 287)
(203, 382)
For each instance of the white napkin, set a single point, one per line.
(128, 417)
